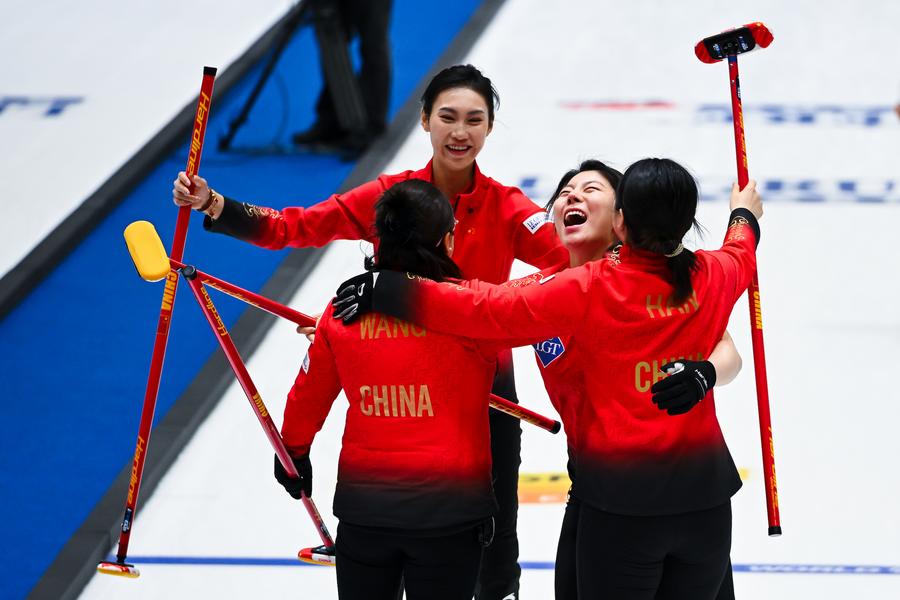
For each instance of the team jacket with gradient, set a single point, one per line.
(631, 458)
(416, 446)
(496, 224)
(559, 363)
(554, 359)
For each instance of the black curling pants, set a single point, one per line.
(565, 581)
(671, 557)
(372, 564)
(499, 576)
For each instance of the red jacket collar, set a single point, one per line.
(637, 256)
(472, 197)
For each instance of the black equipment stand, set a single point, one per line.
(336, 66)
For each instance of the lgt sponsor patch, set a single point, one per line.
(549, 350)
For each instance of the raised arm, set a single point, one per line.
(346, 216)
(737, 256)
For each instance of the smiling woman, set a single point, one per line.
(495, 224)
(582, 208)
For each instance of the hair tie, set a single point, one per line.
(678, 250)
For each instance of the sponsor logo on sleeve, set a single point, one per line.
(534, 222)
(549, 350)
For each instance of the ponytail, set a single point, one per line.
(658, 198)
(682, 266)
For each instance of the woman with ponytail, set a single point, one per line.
(661, 231)
(654, 485)
(413, 496)
(582, 210)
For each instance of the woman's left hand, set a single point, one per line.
(354, 297)
(687, 384)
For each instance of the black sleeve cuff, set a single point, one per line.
(235, 221)
(743, 214)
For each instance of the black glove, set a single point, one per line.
(295, 486)
(687, 384)
(354, 297)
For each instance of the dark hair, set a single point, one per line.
(411, 219)
(613, 176)
(658, 198)
(461, 76)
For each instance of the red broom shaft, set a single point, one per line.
(252, 298)
(259, 408)
(520, 412)
(737, 112)
(759, 353)
(165, 318)
(767, 441)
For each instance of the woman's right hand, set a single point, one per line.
(310, 332)
(182, 195)
(747, 198)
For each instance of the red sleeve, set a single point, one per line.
(347, 216)
(534, 238)
(737, 257)
(491, 347)
(310, 399)
(528, 314)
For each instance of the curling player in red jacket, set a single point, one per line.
(496, 224)
(413, 495)
(655, 519)
(582, 210)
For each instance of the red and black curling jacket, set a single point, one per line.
(631, 458)
(416, 449)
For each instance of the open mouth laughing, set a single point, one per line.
(574, 217)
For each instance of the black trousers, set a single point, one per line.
(672, 557)
(373, 564)
(369, 20)
(565, 581)
(499, 576)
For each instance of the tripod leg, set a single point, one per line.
(294, 19)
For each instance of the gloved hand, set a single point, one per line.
(354, 297)
(687, 384)
(295, 486)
